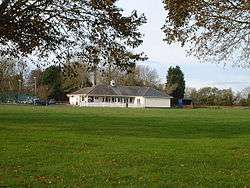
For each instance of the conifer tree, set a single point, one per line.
(175, 85)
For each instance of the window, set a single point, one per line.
(138, 101)
(91, 99)
(131, 100)
(125, 100)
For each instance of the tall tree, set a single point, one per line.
(212, 96)
(75, 76)
(175, 85)
(68, 27)
(35, 80)
(107, 49)
(52, 78)
(12, 74)
(245, 92)
(212, 29)
(134, 76)
(148, 76)
(36, 74)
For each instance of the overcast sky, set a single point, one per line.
(162, 56)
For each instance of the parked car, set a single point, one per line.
(44, 102)
(52, 101)
(40, 102)
(35, 101)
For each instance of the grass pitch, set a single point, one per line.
(102, 147)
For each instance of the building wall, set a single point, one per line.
(74, 100)
(157, 103)
(139, 102)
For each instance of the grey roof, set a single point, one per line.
(108, 90)
(82, 91)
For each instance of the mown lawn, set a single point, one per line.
(95, 147)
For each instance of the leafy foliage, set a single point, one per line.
(61, 29)
(175, 85)
(214, 30)
(35, 75)
(52, 79)
(11, 74)
(134, 76)
(75, 77)
(209, 96)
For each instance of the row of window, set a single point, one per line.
(113, 99)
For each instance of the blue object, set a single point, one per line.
(180, 103)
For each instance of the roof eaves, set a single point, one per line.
(163, 97)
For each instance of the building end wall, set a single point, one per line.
(157, 103)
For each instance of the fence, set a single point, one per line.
(13, 97)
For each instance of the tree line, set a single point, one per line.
(206, 96)
(55, 81)
(97, 32)
(212, 96)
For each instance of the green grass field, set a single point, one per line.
(95, 147)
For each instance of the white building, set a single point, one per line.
(120, 96)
